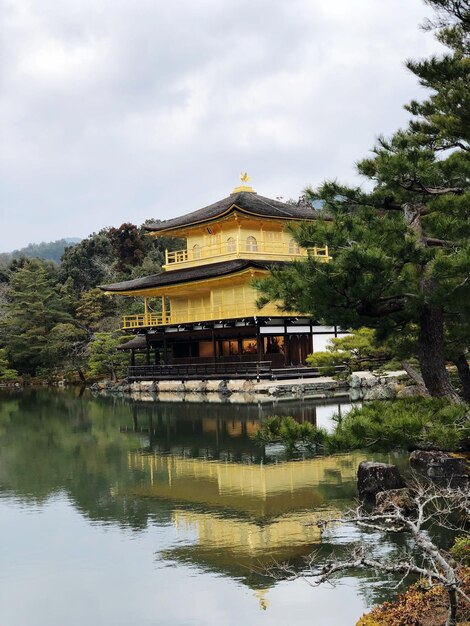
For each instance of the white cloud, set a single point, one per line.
(116, 110)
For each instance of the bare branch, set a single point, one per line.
(432, 504)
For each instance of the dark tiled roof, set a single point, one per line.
(188, 275)
(245, 201)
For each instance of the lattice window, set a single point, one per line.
(293, 247)
(251, 244)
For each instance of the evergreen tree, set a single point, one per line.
(7, 374)
(93, 307)
(33, 308)
(104, 358)
(66, 349)
(401, 252)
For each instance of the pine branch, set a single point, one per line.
(417, 186)
(434, 242)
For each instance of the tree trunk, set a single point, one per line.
(452, 614)
(431, 353)
(464, 374)
(81, 375)
(414, 375)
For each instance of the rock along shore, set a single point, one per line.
(360, 385)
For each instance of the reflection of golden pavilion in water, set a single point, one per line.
(253, 489)
(238, 517)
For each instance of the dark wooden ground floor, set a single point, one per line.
(238, 345)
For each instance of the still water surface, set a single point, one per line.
(117, 512)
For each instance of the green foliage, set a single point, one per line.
(128, 246)
(49, 313)
(408, 423)
(326, 361)
(359, 350)
(104, 358)
(33, 309)
(460, 551)
(400, 252)
(66, 348)
(7, 374)
(93, 307)
(87, 264)
(48, 251)
(291, 433)
(402, 424)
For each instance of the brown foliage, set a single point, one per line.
(421, 605)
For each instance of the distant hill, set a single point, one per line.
(50, 250)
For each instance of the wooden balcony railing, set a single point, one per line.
(239, 369)
(236, 247)
(144, 321)
(234, 310)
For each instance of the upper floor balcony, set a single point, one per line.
(238, 247)
(198, 314)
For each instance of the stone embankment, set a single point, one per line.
(359, 386)
(229, 390)
(373, 386)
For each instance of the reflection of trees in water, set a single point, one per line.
(79, 445)
(216, 430)
(58, 442)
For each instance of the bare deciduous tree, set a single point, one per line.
(430, 506)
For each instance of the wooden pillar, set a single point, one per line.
(147, 351)
(214, 345)
(165, 355)
(157, 356)
(259, 343)
(240, 347)
(286, 345)
(132, 356)
(146, 311)
(163, 310)
(311, 346)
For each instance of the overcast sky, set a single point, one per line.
(122, 110)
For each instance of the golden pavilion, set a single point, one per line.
(201, 309)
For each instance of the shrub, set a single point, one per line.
(291, 433)
(406, 423)
(460, 551)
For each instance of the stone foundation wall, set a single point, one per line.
(359, 386)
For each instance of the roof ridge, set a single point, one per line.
(244, 201)
(190, 274)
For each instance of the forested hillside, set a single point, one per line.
(50, 250)
(54, 321)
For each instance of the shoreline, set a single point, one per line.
(358, 386)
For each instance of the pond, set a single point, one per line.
(117, 512)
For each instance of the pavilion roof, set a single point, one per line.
(187, 275)
(244, 201)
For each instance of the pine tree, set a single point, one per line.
(401, 253)
(34, 307)
(7, 374)
(104, 358)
